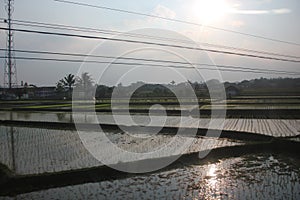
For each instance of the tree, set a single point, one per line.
(69, 81)
(60, 89)
(85, 83)
(60, 86)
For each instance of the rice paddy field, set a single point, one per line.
(238, 102)
(261, 176)
(271, 127)
(256, 157)
(39, 150)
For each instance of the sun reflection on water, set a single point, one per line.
(212, 176)
(212, 170)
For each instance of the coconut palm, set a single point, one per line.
(69, 81)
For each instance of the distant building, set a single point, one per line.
(4, 95)
(44, 92)
(7, 95)
(29, 92)
(232, 91)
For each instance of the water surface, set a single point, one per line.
(260, 176)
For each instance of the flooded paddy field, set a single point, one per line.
(257, 176)
(37, 150)
(251, 107)
(234, 169)
(268, 127)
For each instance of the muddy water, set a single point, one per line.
(260, 176)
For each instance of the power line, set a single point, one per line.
(144, 59)
(153, 65)
(103, 31)
(175, 20)
(151, 43)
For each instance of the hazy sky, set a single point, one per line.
(277, 19)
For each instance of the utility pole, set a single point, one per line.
(10, 72)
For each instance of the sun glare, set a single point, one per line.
(210, 10)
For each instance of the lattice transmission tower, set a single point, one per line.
(10, 71)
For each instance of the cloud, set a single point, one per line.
(163, 11)
(267, 1)
(250, 12)
(261, 12)
(281, 11)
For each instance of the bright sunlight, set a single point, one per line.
(208, 11)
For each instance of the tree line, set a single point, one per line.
(261, 86)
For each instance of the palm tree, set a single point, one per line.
(69, 81)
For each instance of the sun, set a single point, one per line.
(208, 11)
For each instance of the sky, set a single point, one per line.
(278, 19)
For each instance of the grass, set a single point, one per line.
(65, 105)
(254, 106)
(240, 102)
(94, 106)
(48, 106)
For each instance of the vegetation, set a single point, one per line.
(69, 81)
(259, 87)
(88, 89)
(85, 81)
(271, 87)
